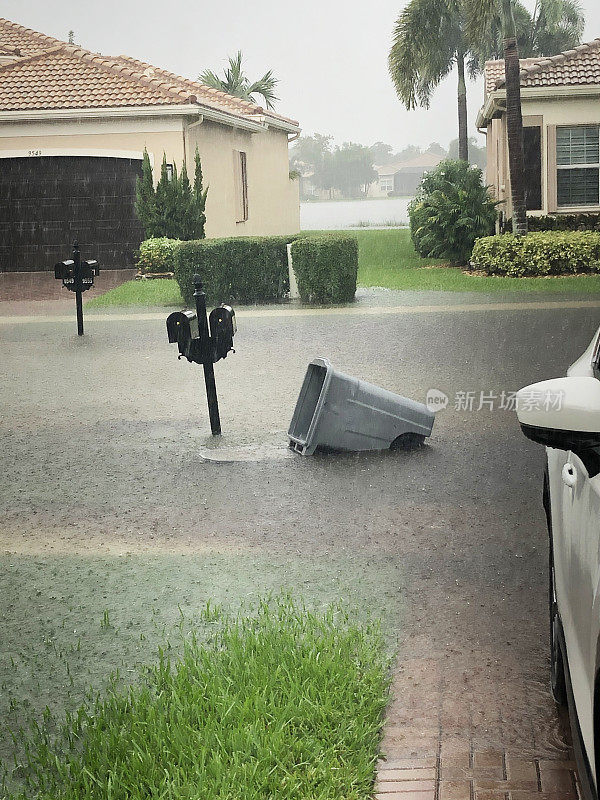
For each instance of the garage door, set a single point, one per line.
(48, 202)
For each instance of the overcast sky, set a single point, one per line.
(330, 55)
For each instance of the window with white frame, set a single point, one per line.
(386, 184)
(577, 165)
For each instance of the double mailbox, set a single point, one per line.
(74, 278)
(184, 330)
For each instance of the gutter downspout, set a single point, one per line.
(186, 130)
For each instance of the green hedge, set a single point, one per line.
(560, 222)
(157, 255)
(545, 253)
(326, 267)
(245, 269)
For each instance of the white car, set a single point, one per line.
(564, 415)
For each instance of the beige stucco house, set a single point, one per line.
(560, 98)
(73, 128)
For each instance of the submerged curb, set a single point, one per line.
(313, 312)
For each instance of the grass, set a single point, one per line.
(387, 259)
(68, 621)
(285, 703)
(158, 292)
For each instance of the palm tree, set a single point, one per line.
(237, 84)
(431, 36)
(429, 39)
(556, 25)
(483, 15)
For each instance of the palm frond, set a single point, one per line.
(237, 84)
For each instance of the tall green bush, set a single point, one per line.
(145, 199)
(450, 211)
(174, 209)
(544, 253)
(245, 269)
(326, 267)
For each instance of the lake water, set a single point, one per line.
(350, 213)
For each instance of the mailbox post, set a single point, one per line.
(207, 363)
(77, 276)
(204, 342)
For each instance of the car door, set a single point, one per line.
(581, 516)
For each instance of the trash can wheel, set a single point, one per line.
(407, 441)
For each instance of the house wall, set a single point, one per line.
(95, 137)
(550, 112)
(273, 198)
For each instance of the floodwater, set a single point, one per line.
(336, 214)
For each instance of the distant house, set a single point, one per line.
(404, 177)
(560, 99)
(73, 128)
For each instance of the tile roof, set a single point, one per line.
(577, 67)
(50, 74)
(202, 92)
(67, 77)
(27, 42)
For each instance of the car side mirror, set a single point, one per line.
(563, 413)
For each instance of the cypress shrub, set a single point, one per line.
(326, 267)
(174, 209)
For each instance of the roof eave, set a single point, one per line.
(290, 126)
(495, 100)
(174, 110)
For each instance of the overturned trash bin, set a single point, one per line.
(338, 412)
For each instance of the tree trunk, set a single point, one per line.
(514, 122)
(463, 141)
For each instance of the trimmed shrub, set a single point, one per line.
(244, 269)
(157, 255)
(561, 222)
(545, 253)
(450, 211)
(326, 267)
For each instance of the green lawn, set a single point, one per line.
(387, 259)
(69, 621)
(284, 703)
(158, 292)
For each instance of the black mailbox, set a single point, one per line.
(64, 269)
(182, 328)
(77, 280)
(223, 328)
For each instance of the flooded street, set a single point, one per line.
(111, 448)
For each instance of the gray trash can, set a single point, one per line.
(338, 412)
